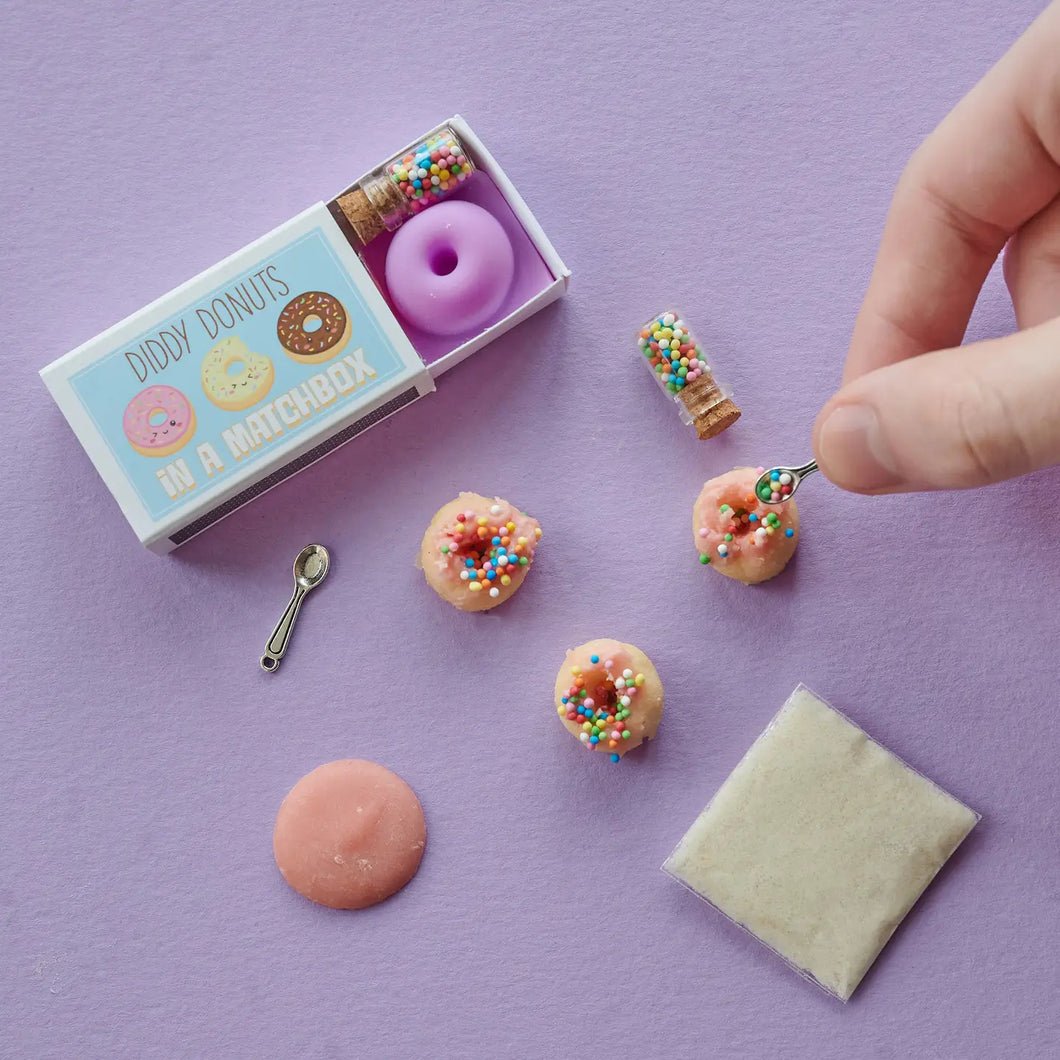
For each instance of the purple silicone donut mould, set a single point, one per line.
(449, 268)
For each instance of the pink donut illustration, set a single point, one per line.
(159, 421)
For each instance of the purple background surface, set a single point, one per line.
(730, 159)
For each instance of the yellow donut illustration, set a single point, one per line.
(233, 377)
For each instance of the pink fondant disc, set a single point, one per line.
(349, 834)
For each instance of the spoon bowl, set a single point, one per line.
(779, 484)
(311, 566)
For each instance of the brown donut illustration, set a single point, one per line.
(313, 327)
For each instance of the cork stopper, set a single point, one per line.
(402, 187)
(368, 216)
(709, 415)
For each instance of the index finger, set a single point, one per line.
(991, 165)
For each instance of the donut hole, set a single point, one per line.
(312, 323)
(466, 543)
(604, 694)
(472, 548)
(236, 367)
(442, 259)
(735, 511)
(486, 553)
(158, 417)
(594, 702)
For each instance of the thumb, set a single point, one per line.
(947, 420)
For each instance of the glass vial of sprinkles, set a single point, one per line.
(407, 184)
(682, 371)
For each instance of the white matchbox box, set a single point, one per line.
(125, 391)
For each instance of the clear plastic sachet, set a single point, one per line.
(820, 842)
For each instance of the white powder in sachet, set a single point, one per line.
(819, 842)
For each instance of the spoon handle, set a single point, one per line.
(806, 469)
(281, 635)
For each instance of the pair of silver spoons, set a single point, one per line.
(310, 569)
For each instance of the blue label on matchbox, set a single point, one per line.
(282, 346)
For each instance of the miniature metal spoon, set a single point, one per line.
(310, 568)
(770, 489)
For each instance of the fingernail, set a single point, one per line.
(853, 450)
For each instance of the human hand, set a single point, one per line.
(917, 411)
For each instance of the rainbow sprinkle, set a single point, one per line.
(487, 549)
(602, 711)
(428, 172)
(779, 486)
(672, 352)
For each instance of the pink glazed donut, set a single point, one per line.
(159, 421)
(449, 268)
